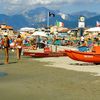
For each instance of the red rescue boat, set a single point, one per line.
(40, 54)
(92, 57)
(47, 53)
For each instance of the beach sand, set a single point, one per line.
(69, 64)
(56, 78)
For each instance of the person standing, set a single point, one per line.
(38, 39)
(6, 47)
(18, 43)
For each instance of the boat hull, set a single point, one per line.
(84, 56)
(69, 54)
(39, 54)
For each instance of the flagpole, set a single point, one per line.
(48, 19)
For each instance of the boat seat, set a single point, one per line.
(83, 48)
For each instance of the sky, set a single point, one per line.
(66, 6)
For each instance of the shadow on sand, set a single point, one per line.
(8, 63)
(12, 62)
(1, 63)
(83, 64)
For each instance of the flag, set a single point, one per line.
(98, 24)
(51, 14)
(59, 24)
(63, 16)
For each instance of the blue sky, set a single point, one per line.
(67, 6)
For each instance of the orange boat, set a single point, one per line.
(69, 54)
(93, 56)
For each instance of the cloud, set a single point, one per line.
(32, 2)
(12, 6)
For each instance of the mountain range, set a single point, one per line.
(38, 18)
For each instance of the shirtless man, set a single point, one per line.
(19, 46)
(6, 47)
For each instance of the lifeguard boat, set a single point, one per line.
(92, 57)
(47, 53)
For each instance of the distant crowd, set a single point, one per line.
(33, 43)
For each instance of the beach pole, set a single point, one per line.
(56, 49)
(48, 20)
(81, 31)
(51, 48)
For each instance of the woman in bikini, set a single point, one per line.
(6, 47)
(18, 43)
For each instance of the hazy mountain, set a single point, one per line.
(4, 18)
(38, 18)
(92, 21)
(38, 15)
(17, 21)
(86, 14)
(76, 15)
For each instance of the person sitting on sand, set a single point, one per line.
(33, 43)
(84, 43)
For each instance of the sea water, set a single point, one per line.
(2, 74)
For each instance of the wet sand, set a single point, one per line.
(69, 64)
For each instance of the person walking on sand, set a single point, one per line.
(6, 47)
(18, 43)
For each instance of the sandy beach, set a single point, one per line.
(69, 64)
(58, 78)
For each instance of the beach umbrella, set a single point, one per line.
(39, 33)
(93, 29)
(27, 29)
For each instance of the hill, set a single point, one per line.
(38, 18)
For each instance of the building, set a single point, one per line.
(6, 29)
